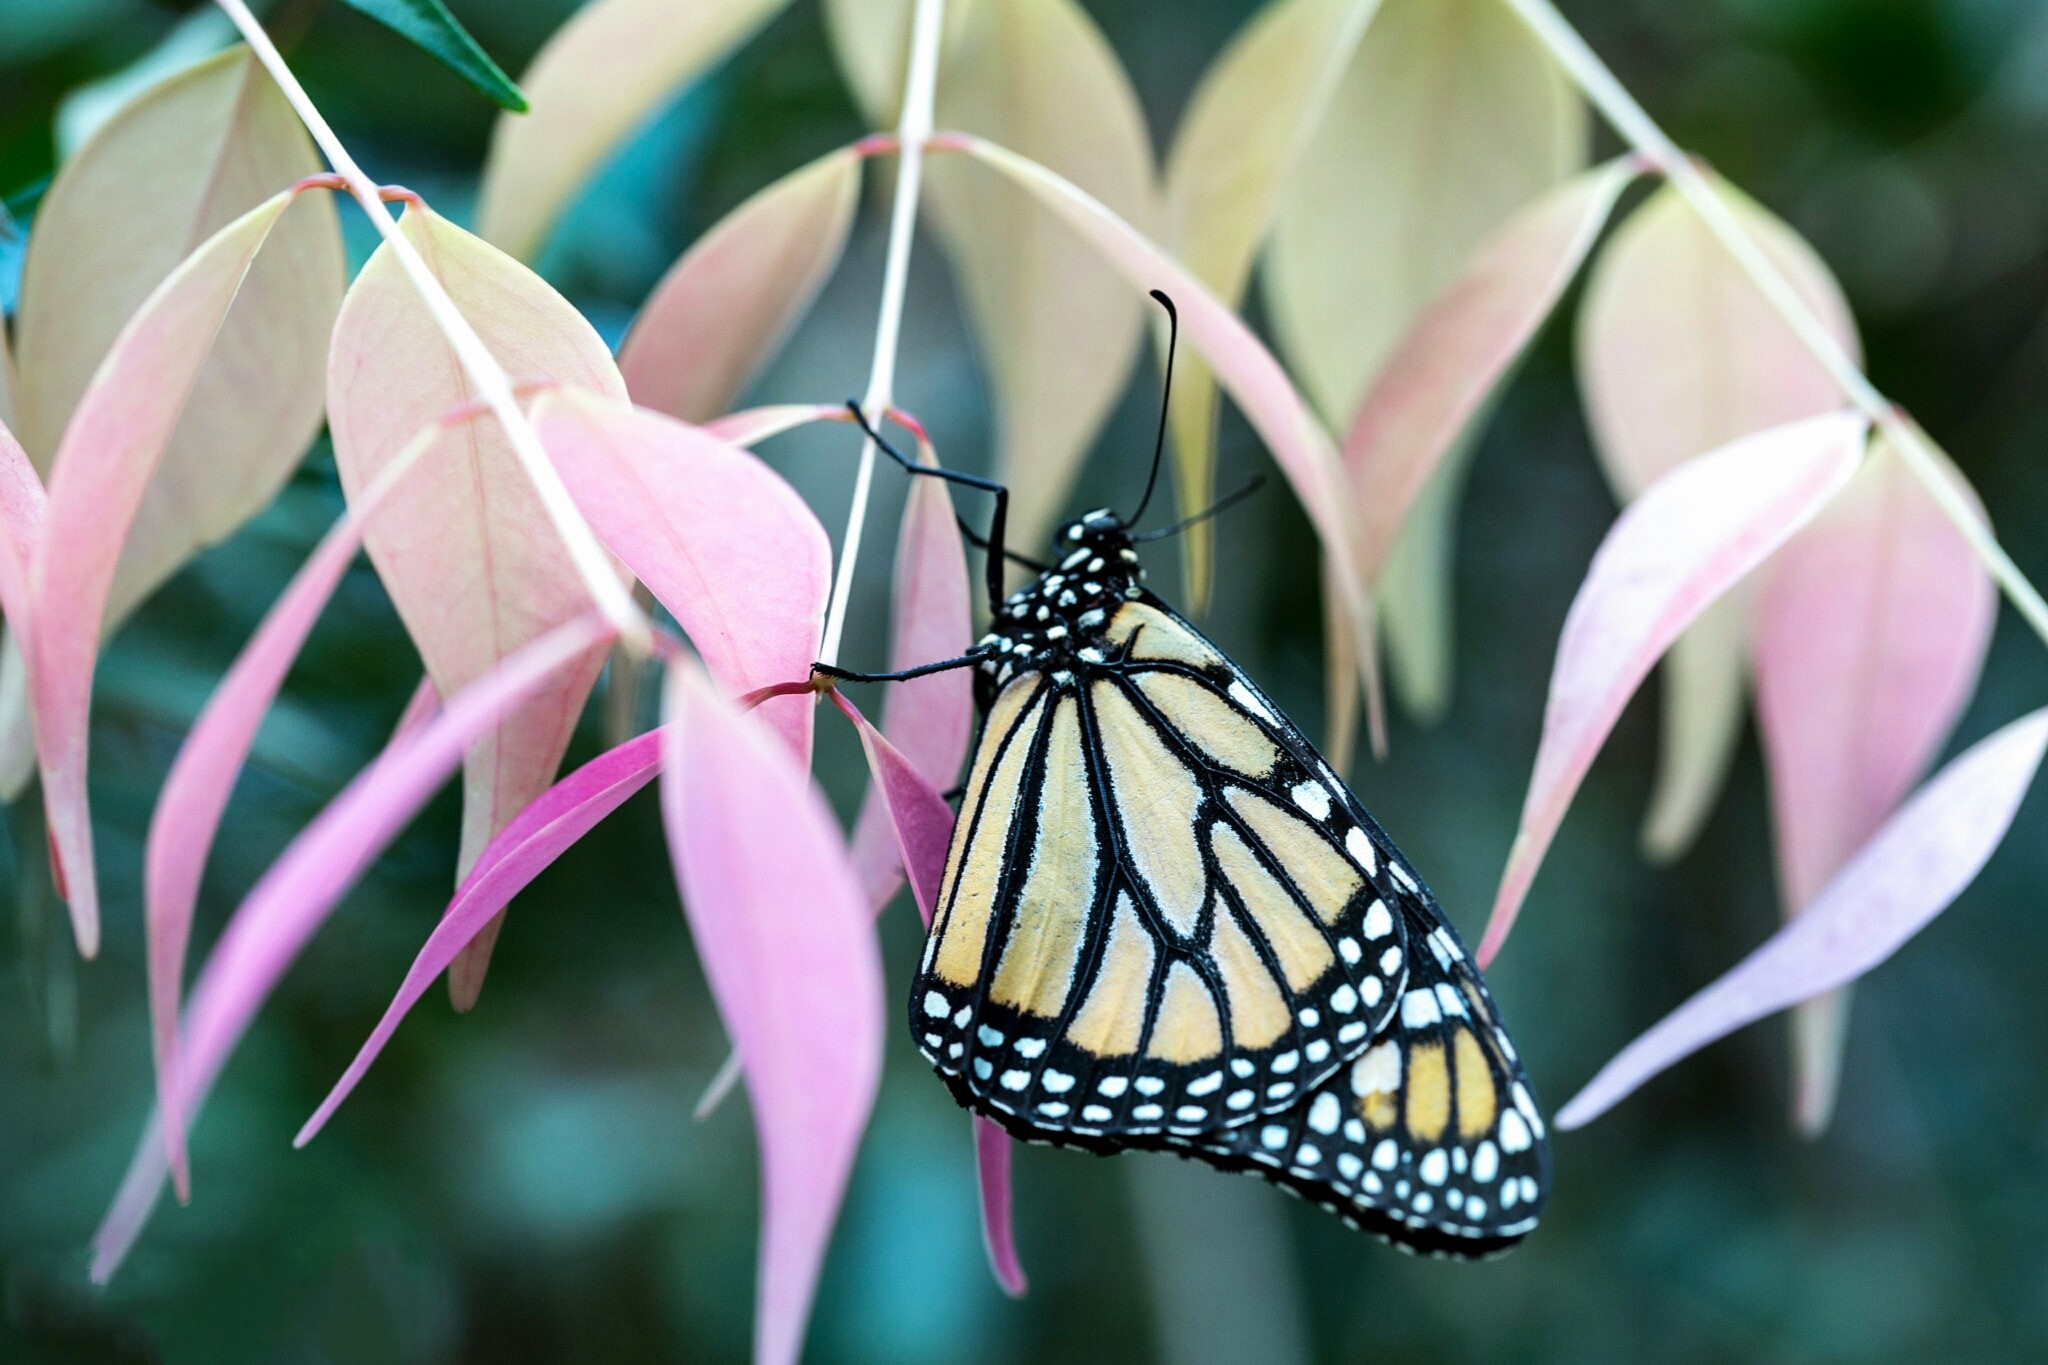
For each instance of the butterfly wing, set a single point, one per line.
(1162, 913)
(1430, 1138)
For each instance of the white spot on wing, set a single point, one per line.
(1325, 1113)
(1311, 797)
(1359, 844)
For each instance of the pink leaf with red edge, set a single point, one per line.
(930, 719)
(776, 911)
(1684, 543)
(470, 557)
(195, 794)
(1460, 347)
(716, 535)
(537, 836)
(1870, 631)
(755, 425)
(724, 309)
(23, 506)
(1917, 864)
(923, 825)
(103, 466)
(303, 886)
(1244, 368)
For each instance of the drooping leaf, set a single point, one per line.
(302, 887)
(727, 305)
(180, 162)
(428, 25)
(1450, 118)
(469, 556)
(1241, 139)
(720, 539)
(1915, 867)
(1683, 544)
(195, 793)
(929, 719)
(921, 825)
(23, 508)
(525, 848)
(1246, 370)
(1055, 333)
(755, 425)
(597, 80)
(109, 450)
(10, 409)
(1679, 353)
(1871, 628)
(784, 933)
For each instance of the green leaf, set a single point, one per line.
(428, 25)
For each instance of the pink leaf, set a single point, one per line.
(1246, 370)
(195, 794)
(716, 535)
(302, 887)
(103, 466)
(1918, 863)
(724, 309)
(755, 425)
(1870, 630)
(522, 850)
(1454, 355)
(784, 933)
(1675, 550)
(992, 1150)
(470, 557)
(23, 507)
(923, 826)
(930, 718)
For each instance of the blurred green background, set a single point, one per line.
(526, 1183)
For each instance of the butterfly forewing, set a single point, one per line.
(1162, 913)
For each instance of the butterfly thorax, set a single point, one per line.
(1058, 620)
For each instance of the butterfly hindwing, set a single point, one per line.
(1162, 914)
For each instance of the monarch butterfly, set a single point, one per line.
(1165, 923)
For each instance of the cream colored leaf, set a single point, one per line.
(597, 80)
(871, 40)
(1679, 353)
(9, 410)
(1241, 138)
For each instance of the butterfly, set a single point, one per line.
(1167, 924)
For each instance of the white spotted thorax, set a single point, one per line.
(1052, 622)
(1166, 923)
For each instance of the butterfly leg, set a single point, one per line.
(994, 543)
(837, 674)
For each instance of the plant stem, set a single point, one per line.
(913, 126)
(1922, 456)
(494, 386)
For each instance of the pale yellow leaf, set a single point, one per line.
(8, 409)
(1680, 353)
(1241, 138)
(871, 40)
(598, 79)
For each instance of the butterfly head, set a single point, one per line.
(1057, 621)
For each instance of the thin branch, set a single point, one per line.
(1921, 455)
(493, 385)
(913, 126)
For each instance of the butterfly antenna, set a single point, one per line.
(1222, 504)
(1165, 397)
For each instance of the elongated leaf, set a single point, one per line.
(1055, 333)
(1914, 868)
(755, 425)
(1451, 117)
(195, 794)
(1245, 369)
(597, 80)
(1678, 354)
(302, 887)
(537, 836)
(921, 824)
(1689, 539)
(929, 719)
(180, 163)
(776, 911)
(720, 539)
(1871, 629)
(428, 25)
(469, 556)
(1238, 144)
(726, 306)
(23, 508)
(110, 449)
(10, 409)
(1447, 364)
